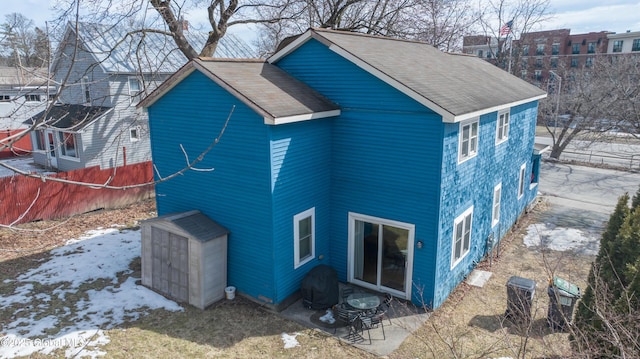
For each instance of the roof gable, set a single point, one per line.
(455, 86)
(268, 90)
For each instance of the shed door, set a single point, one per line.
(170, 264)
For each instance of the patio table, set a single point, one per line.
(363, 301)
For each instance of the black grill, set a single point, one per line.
(320, 288)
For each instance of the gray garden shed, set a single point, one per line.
(184, 256)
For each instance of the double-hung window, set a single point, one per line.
(134, 89)
(522, 180)
(502, 127)
(468, 140)
(86, 92)
(40, 143)
(617, 45)
(461, 236)
(304, 237)
(495, 212)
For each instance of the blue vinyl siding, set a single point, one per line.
(471, 183)
(301, 179)
(237, 193)
(385, 156)
(386, 151)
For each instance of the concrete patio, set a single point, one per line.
(404, 317)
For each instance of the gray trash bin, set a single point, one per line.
(520, 292)
(562, 299)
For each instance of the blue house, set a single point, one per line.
(390, 161)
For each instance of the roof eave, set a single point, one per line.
(469, 115)
(83, 128)
(291, 47)
(270, 120)
(167, 85)
(447, 116)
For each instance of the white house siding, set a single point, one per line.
(83, 66)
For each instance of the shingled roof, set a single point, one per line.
(456, 86)
(70, 117)
(267, 89)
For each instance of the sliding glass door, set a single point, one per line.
(380, 254)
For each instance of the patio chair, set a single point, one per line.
(346, 291)
(372, 321)
(345, 314)
(383, 309)
(356, 331)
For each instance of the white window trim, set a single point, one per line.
(137, 137)
(85, 90)
(474, 153)
(464, 253)
(60, 145)
(523, 173)
(296, 237)
(39, 136)
(134, 97)
(502, 130)
(497, 202)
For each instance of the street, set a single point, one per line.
(581, 198)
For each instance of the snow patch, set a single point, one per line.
(97, 257)
(290, 340)
(561, 239)
(328, 317)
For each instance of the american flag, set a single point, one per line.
(506, 28)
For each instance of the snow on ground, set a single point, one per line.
(562, 239)
(21, 163)
(290, 341)
(77, 317)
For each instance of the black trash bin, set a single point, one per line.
(562, 299)
(520, 292)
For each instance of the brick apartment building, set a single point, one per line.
(535, 54)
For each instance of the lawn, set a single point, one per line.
(108, 313)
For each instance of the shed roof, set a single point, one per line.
(194, 224)
(456, 86)
(71, 117)
(267, 89)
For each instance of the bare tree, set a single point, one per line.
(442, 23)
(522, 15)
(25, 45)
(593, 102)
(377, 17)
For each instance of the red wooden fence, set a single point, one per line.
(21, 147)
(24, 199)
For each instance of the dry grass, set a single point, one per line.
(231, 329)
(470, 324)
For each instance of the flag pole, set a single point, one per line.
(510, 52)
